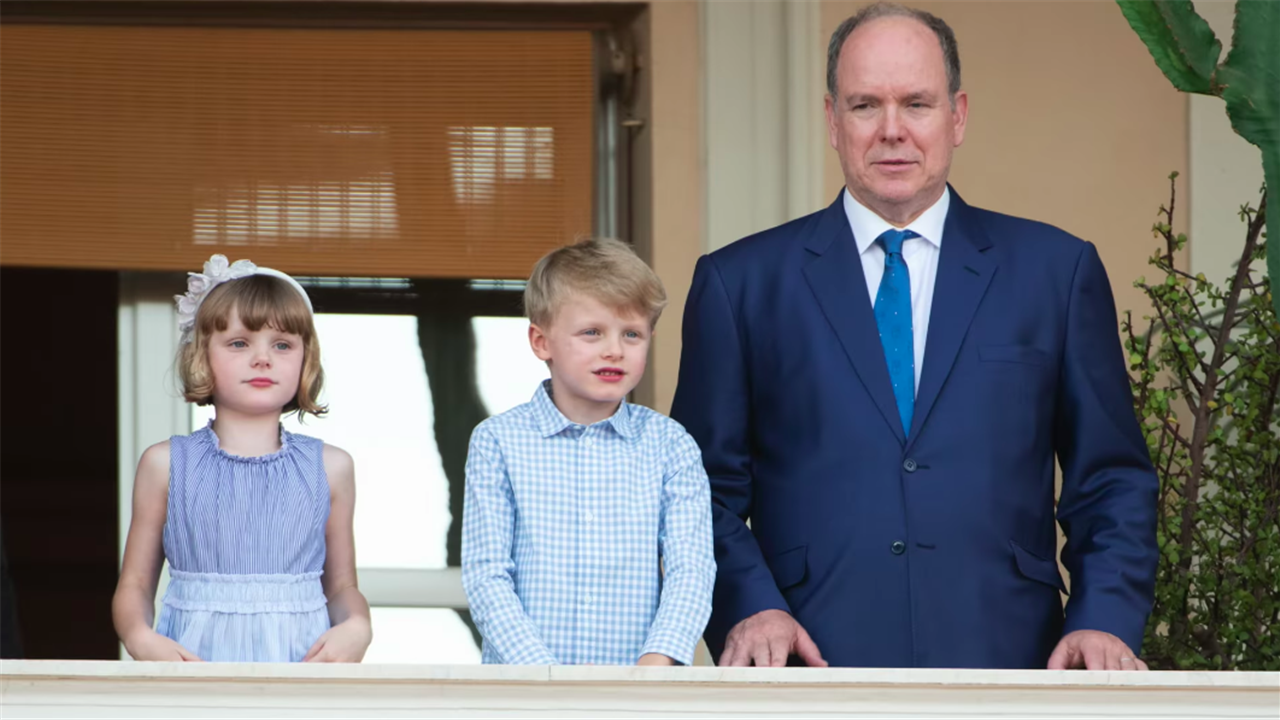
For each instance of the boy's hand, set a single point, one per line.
(657, 659)
(151, 645)
(344, 642)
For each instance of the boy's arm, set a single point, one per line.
(688, 554)
(488, 530)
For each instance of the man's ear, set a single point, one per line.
(539, 343)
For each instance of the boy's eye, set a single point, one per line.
(592, 331)
(633, 335)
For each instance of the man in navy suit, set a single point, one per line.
(880, 390)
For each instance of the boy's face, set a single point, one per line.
(596, 356)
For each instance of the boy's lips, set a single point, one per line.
(610, 374)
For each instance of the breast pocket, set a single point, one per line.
(1021, 354)
(1017, 383)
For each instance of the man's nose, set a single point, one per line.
(891, 127)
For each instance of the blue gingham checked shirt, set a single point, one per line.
(562, 530)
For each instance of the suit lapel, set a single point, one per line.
(964, 273)
(835, 276)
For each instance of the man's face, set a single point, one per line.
(892, 122)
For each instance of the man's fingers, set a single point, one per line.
(732, 655)
(1062, 658)
(1141, 665)
(779, 651)
(807, 649)
(1095, 658)
(760, 652)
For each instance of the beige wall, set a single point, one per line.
(676, 183)
(1070, 123)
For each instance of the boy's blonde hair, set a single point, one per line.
(604, 269)
(260, 301)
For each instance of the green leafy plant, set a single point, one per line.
(1206, 383)
(1187, 52)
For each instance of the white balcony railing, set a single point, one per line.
(34, 688)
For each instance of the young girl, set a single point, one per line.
(256, 522)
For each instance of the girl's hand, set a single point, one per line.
(345, 642)
(655, 659)
(151, 645)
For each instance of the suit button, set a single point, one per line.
(898, 547)
(909, 465)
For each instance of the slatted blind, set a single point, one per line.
(431, 153)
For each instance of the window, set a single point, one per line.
(382, 411)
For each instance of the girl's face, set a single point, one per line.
(254, 372)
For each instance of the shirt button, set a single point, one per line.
(909, 465)
(898, 547)
(588, 599)
(588, 516)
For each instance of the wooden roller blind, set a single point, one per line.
(432, 153)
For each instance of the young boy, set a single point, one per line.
(586, 530)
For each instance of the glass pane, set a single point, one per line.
(429, 636)
(381, 411)
(506, 369)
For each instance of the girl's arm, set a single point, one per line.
(133, 607)
(352, 632)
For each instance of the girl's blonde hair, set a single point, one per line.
(260, 301)
(605, 269)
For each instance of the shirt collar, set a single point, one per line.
(552, 422)
(867, 226)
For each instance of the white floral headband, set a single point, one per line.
(217, 271)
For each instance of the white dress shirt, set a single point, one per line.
(921, 255)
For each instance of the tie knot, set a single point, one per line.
(893, 239)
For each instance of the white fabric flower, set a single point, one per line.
(217, 270)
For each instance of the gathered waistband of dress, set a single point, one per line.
(244, 594)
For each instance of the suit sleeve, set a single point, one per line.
(1107, 508)
(713, 402)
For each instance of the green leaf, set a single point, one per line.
(1179, 40)
(1249, 81)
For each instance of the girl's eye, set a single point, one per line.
(239, 344)
(591, 332)
(283, 346)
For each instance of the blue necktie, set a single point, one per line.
(893, 318)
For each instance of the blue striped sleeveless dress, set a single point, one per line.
(245, 542)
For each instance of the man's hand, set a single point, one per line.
(1093, 650)
(767, 639)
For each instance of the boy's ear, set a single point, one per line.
(539, 343)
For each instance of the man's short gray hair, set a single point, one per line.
(946, 38)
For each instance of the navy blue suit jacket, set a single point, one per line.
(937, 548)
